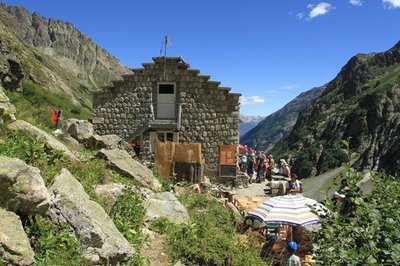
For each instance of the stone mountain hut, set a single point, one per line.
(168, 101)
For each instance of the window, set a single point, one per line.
(165, 88)
(165, 136)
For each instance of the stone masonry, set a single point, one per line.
(205, 113)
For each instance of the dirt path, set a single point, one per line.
(154, 251)
(315, 187)
(254, 190)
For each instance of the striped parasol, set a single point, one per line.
(289, 209)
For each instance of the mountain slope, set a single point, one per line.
(248, 122)
(279, 124)
(361, 103)
(53, 55)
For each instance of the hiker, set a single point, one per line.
(290, 259)
(294, 184)
(260, 167)
(284, 168)
(269, 167)
(342, 196)
(250, 167)
(243, 165)
(56, 118)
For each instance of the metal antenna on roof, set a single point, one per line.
(166, 42)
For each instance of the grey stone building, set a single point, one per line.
(169, 101)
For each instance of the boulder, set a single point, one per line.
(165, 205)
(7, 110)
(80, 130)
(93, 227)
(109, 193)
(22, 189)
(51, 142)
(107, 142)
(13, 77)
(122, 162)
(70, 141)
(15, 248)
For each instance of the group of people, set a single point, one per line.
(260, 165)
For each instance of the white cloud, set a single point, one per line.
(300, 15)
(356, 2)
(289, 87)
(272, 91)
(251, 100)
(319, 9)
(391, 3)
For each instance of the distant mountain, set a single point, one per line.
(278, 125)
(53, 55)
(361, 104)
(248, 122)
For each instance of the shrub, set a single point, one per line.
(128, 215)
(210, 238)
(369, 234)
(53, 246)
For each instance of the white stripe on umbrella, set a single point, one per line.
(289, 209)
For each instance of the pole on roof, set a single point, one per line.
(165, 53)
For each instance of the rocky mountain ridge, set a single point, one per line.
(361, 104)
(248, 122)
(52, 54)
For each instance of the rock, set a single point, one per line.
(13, 77)
(165, 205)
(15, 248)
(122, 162)
(70, 141)
(80, 130)
(22, 188)
(50, 141)
(109, 193)
(7, 110)
(107, 142)
(92, 226)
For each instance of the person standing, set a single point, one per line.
(290, 259)
(250, 167)
(58, 118)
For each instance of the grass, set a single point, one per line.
(209, 239)
(35, 105)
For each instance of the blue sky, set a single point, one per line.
(268, 50)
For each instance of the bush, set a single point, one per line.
(53, 246)
(210, 238)
(369, 234)
(128, 215)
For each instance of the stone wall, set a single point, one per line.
(209, 113)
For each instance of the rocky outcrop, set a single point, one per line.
(107, 142)
(7, 110)
(80, 130)
(11, 74)
(109, 193)
(51, 142)
(22, 189)
(122, 162)
(165, 205)
(91, 224)
(15, 248)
